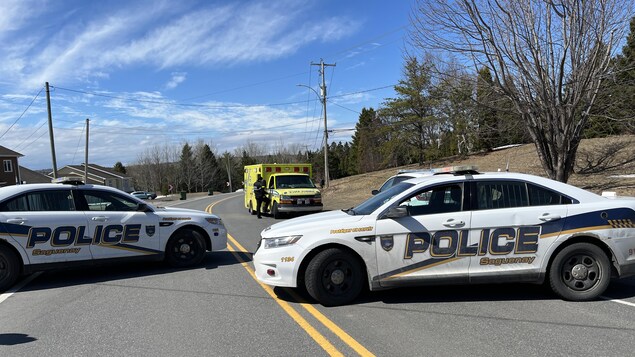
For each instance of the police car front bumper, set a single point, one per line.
(277, 266)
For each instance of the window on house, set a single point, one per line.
(8, 166)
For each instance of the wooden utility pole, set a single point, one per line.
(86, 154)
(326, 132)
(48, 105)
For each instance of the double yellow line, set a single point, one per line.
(234, 247)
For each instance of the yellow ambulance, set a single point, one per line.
(289, 189)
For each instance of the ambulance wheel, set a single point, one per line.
(9, 268)
(185, 248)
(334, 277)
(580, 272)
(274, 211)
(251, 209)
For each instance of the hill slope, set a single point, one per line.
(349, 191)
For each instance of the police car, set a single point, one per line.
(457, 226)
(62, 224)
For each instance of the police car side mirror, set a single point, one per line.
(396, 212)
(143, 207)
(374, 192)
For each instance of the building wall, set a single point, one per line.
(8, 171)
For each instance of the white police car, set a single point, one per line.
(47, 225)
(459, 227)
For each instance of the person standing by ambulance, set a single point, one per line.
(260, 193)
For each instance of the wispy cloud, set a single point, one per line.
(177, 78)
(159, 35)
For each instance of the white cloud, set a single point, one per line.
(177, 78)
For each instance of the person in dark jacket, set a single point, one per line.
(260, 191)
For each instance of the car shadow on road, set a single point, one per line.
(110, 272)
(618, 289)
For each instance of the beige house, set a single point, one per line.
(98, 175)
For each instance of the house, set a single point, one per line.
(99, 175)
(30, 176)
(10, 173)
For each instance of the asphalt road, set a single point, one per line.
(218, 309)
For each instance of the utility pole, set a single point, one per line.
(326, 132)
(86, 155)
(48, 105)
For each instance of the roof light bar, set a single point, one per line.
(456, 169)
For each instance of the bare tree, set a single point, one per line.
(548, 57)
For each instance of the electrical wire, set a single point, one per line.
(24, 112)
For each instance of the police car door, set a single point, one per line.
(118, 230)
(45, 223)
(427, 244)
(513, 224)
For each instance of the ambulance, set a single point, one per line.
(289, 189)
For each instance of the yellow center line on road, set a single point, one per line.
(345, 337)
(304, 324)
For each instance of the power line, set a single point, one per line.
(24, 112)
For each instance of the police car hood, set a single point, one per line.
(180, 211)
(310, 222)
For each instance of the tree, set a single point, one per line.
(119, 167)
(187, 167)
(364, 153)
(411, 114)
(615, 112)
(548, 58)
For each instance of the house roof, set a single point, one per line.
(96, 173)
(8, 152)
(30, 176)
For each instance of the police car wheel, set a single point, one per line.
(580, 272)
(9, 268)
(185, 248)
(334, 277)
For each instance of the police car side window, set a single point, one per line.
(16, 204)
(47, 200)
(540, 196)
(107, 201)
(501, 194)
(439, 199)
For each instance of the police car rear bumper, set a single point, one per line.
(300, 208)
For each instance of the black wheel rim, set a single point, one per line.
(581, 271)
(337, 277)
(185, 249)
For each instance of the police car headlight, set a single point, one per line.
(280, 241)
(215, 221)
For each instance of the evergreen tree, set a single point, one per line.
(119, 167)
(187, 167)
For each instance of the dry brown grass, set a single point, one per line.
(349, 191)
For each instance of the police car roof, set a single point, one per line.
(569, 190)
(12, 190)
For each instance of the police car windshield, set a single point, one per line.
(370, 205)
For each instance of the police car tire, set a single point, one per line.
(327, 266)
(589, 263)
(189, 240)
(9, 268)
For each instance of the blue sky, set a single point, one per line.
(157, 73)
